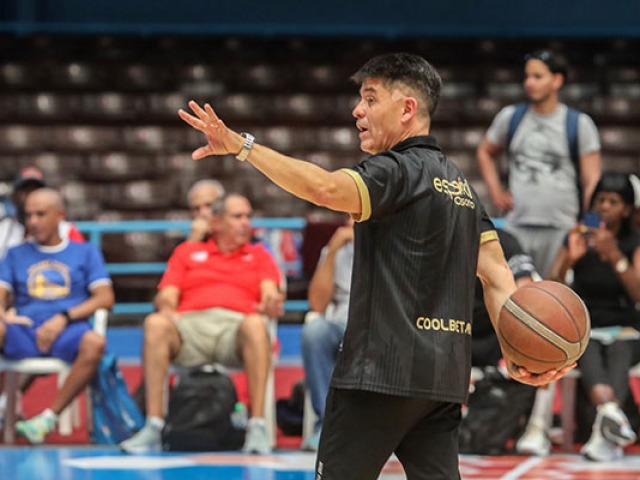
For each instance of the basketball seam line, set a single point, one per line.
(571, 349)
(560, 303)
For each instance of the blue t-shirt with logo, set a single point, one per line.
(48, 280)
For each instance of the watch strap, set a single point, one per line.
(246, 146)
(66, 315)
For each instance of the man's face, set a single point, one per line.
(42, 219)
(201, 200)
(233, 227)
(540, 83)
(379, 116)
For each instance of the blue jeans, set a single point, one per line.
(320, 342)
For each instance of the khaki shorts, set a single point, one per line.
(209, 336)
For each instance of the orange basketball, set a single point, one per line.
(544, 325)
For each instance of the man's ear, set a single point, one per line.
(410, 109)
(558, 80)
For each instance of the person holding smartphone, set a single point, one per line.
(603, 251)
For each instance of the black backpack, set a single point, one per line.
(203, 414)
(497, 413)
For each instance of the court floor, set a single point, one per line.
(92, 463)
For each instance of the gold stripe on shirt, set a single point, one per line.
(488, 236)
(365, 200)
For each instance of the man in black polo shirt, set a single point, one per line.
(421, 235)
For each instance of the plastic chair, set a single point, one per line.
(70, 416)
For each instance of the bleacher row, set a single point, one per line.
(98, 113)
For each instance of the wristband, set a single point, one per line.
(66, 315)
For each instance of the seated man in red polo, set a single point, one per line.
(212, 306)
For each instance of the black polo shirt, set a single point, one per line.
(414, 271)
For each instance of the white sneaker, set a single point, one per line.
(534, 441)
(615, 425)
(598, 448)
(147, 440)
(256, 440)
(37, 428)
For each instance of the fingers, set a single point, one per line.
(18, 319)
(201, 152)
(191, 120)
(21, 320)
(212, 115)
(206, 116)
(198, 110)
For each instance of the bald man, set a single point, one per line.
(56, 285)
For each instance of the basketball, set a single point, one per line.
(544, 325)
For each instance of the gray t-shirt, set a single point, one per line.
(338, 310)
(542, 178)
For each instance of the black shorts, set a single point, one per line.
(609, 365)
(362, 429)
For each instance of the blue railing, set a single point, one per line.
(96, 230)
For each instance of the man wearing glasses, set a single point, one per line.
(553, 158)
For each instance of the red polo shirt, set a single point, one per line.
(208, 278)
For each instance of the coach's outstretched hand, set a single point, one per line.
(523, 375)
(221, 140)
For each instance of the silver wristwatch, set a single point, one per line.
(246, 147)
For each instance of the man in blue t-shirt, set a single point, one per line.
(55, 285)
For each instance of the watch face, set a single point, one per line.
(622, 265)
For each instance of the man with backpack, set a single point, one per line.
(553, 159)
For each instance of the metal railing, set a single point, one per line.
(96, 230)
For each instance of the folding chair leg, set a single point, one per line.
(11, 389)
(309, 417)
(66, 418)
(270, 408)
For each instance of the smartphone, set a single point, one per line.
(591, 220)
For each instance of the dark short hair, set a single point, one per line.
(556, 62)
(620, 183)
(408, 69)
(616, 182)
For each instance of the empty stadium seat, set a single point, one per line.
(139, 194)
(18, 75)
(47, 106)
(22, 138)
(118, 166)
(111, 105)
(620, 139)
(75, 75)
(86, 138)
